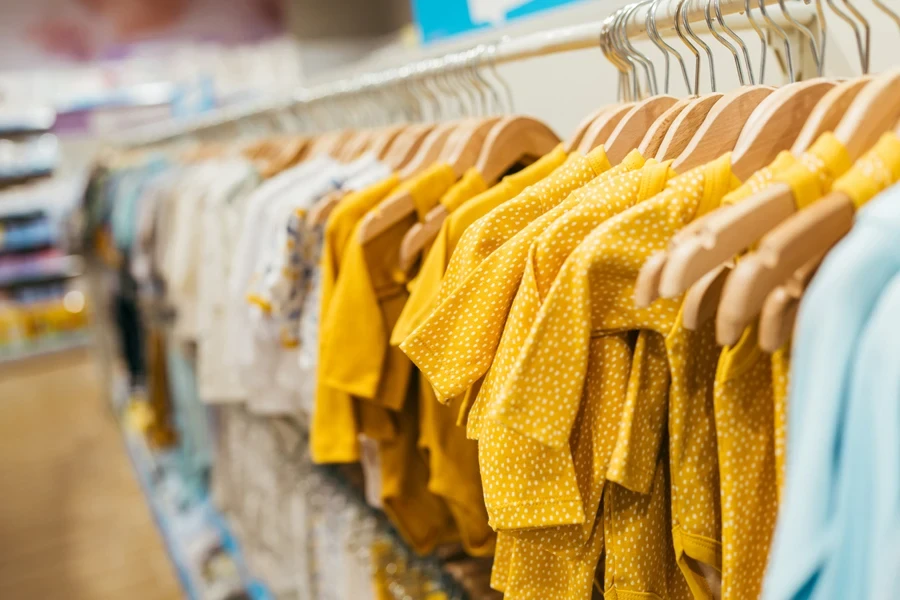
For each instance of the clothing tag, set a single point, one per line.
(371, 465)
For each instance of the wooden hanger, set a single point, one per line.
(582, 128)
(720, 130)
(324, 144)
(694, 120)
(771, 126)
(406, 144)
(723, 234)
(816, 228)
(253, 149)
(393, 145)
(508, 141)
(685, 126)
(779, 312)
(464, 146)
(422, 234)
(828, 112)
(502, 148)
(631, 130)
(790, 244)
(290, 152)
(382, 141)
(322, 209)
(347, 143)
(602, 128)
(776, 124)
(398, 206)
(657, 131)
(357, 144)
(430, 150)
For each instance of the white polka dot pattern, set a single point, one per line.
(455, 345)
(745, 429)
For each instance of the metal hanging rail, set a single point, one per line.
(508, 49)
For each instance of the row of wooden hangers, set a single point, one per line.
(754, 123)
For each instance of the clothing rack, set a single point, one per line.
(508, 49)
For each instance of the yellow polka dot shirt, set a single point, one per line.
(454, 347)
(593, 295)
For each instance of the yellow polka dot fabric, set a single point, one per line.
(489, 232)
(455, 346)
(693, 453)
(453, 458)
(547, 254)
(745, 430)
(639, 556)
(594, 293)
(591, 442)
(781, 369)
(591, 296)
(423, 297)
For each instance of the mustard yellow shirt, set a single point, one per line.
(747, 410)
(423, 298)
(593, 295)
(356, 359)
(518, 472)
(482, 237)
(454, 347)
(453, 458)
(333, 428)
(355, 356)
(575, 550)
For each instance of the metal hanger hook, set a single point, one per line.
(773, 26)
(640, 57)
(804, 30)
(702, 44)
(717, 4)
(764, 45)
(492, 63)
(707, 16)
(667, 49)
(679, 24)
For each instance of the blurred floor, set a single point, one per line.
(73, 522)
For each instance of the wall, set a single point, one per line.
(563, 88)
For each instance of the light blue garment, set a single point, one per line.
(834, 312)
(865, 510)
(127, 194)
(865, 563)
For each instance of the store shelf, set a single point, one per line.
(199, 541)
(55, 345)
(54, 269)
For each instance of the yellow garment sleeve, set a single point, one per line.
(469, 186)
(428, 280)
(488, 233)
(455, 346)
(333, 431)
(354, 337)
(423, 299)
